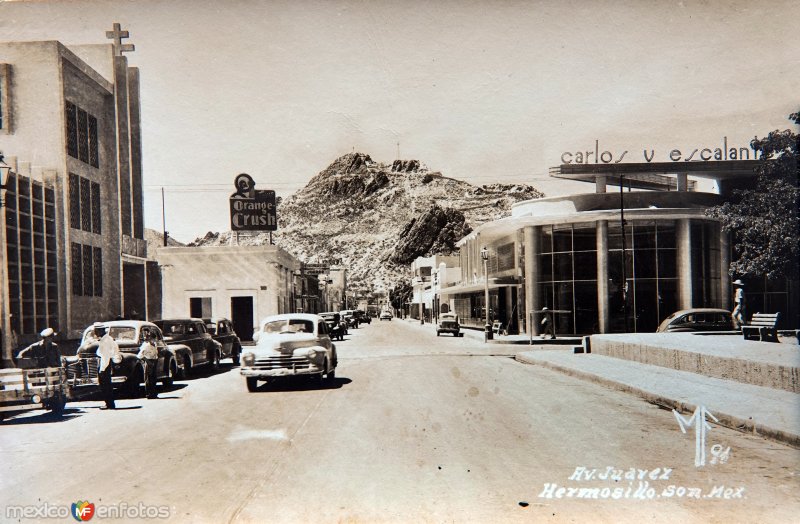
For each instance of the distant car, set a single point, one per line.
(221, 330)
(362, 317)
(129, 372)
(337, 328)
(385, 315)
(288, 345)
(698, 319)
(350, 318)
(448, 323)
(192, 332)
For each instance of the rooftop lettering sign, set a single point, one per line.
(252, 209)
(722, 151)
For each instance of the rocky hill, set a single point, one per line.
(376, 217)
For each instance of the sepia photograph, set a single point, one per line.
(397, 261)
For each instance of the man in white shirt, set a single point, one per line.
(148, 354)
(108, 351)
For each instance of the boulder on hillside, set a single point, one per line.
(435, 231)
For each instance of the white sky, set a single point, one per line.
(484, 91)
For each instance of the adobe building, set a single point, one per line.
(242, 283)
(72, 219)
(569, 253)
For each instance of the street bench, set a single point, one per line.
(763, 327)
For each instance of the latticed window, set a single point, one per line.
(83, 136)
(74, 201)
(94, 158)
(71, 117)
(77, 269)
(86, 204)
(98, 271)
(96, 228)
(88, 273)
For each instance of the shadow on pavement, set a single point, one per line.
(206, 371)
(42, 418)
(301, 384)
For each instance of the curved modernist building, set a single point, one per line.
(605, 261)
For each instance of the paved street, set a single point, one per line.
(415, 429)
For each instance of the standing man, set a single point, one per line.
(108, 351)
(45, 351)
(739, 312)
(148, 354)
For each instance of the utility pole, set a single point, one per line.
(163, 217)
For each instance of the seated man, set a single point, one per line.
(45, 352)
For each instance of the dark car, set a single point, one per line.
(448, 323)
(192, 332)
(699, 319)
(349, 317)
(129, 372)
(221, 330)
(337, 328)
(362, 317)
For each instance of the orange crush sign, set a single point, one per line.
(252, 209)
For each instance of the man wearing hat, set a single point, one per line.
(547, 324)
(45, 351)
(738, 315)
(108, 351)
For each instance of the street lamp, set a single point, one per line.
(487, 329)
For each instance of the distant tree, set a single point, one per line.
(400, 294)
(764, 219)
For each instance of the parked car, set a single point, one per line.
(448, 323)
(288, 345)
(385, 315)
(129, 372)
(192, 332)
(221, 330)
(362, 317)
(337, 328)
(349, 317)
(698, 319)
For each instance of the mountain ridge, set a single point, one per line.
(378, 217)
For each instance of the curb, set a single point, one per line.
(729, 421)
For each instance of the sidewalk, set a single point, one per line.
(772, 413)
(721, 380)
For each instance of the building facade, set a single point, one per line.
(242, 283)
(73, 231)
(606, 261)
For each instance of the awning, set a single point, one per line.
(473, 288)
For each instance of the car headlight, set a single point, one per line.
(116, 359)
(36, 399)
(248, 359)
(312, 354)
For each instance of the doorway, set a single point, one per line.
(242, 317)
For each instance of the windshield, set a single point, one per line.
(292, 325)
(170, 329)
(122, 333)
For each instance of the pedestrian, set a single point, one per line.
(108, 351)
(45, 352)
(547, 324)
(739, 310)
(148, 354)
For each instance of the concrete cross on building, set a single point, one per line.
(117, 35)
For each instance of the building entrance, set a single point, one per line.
(242, 317)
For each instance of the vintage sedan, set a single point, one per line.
(192, 332)
(385, 315)
(698, 319)
(221, 330)
(448, 323)
(129, 372)
(288, 345)
(337, 328)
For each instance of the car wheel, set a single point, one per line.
(186, 368)
(57, 405)
(215, 361)
(169, 378)
(252, 384)
(132, 386)
(330, 376)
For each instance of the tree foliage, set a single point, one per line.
(764, 219)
